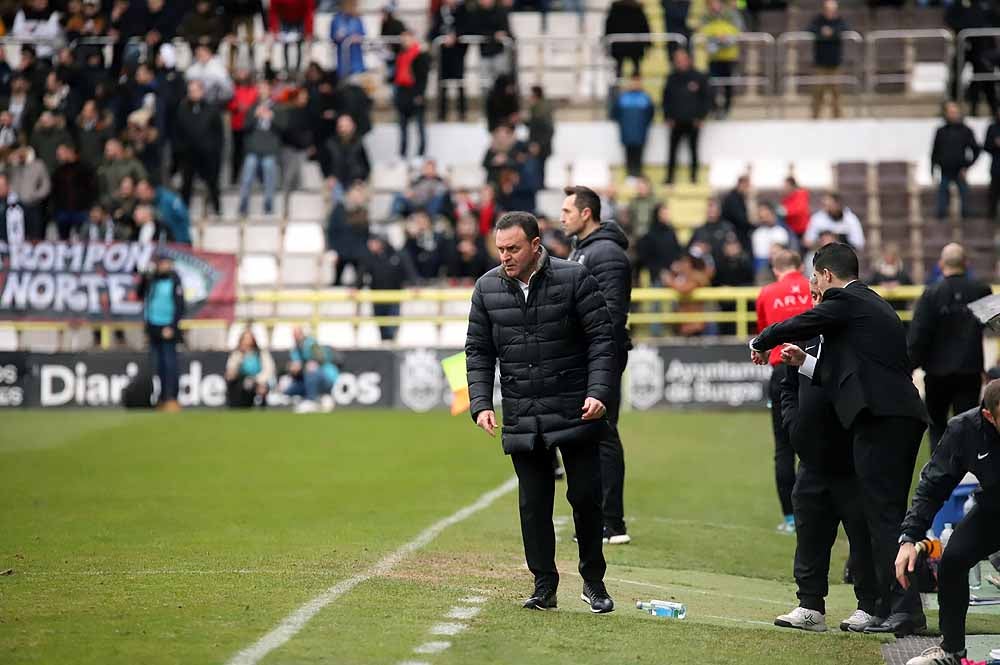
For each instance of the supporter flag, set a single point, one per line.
(454, 371)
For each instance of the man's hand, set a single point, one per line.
(906, 562)
(758, 357)
(792, 355)
(167, 332)
(593, 409)
(487, 421)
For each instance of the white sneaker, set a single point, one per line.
(787, 528)
(326, 403)
(306, 406)
(802, 619)
(937, 656)
(857, 622)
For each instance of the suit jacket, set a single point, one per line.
(864, 363)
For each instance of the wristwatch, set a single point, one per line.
(907, 539)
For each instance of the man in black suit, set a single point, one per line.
(865, 371)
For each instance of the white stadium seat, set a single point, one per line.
(307, 205)
(368, 336)
(43, 341)
(549, 202)
(299, 270)
(310, 176)
(923, 174)
(259, 332)
(337, 335)
(230, 206)
(392, 176)
(467, 176)
(453, 335)
(380, 207)
(304, 238)
(812, 174)
(594, 173)
(282, 338)
(769, 173)
(723, 173)
(978, 174)
(261, 238)
(259, 270)
(8, 338)
(417, 334)
(526, 24)
(221, 238)
(556, 173)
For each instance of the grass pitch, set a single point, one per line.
(148, 538)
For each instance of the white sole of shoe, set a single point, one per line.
(623, 539)
(808, 629)
(592, 610)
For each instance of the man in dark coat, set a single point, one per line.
(991, 145)
(955, 150)
(546, 322)
(946, 339)
(603, 249)
(687, 99)
(865, 371)
(199, 144)
(625, 17)
(344, 157)
(734, 210)
(451, 22)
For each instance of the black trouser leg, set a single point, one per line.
(633, 160)
(850, 509)
(815, 532)
(187, 179)
(237, 396)
(976, 537)
(536, 495)
(583, 490)
(885, 453)
(947, 395)
(692, 136)
(239, 139)
(207, 169)
(442, 101)
(784, 454)
(676, 133)
(613, 464)
(994, 196)
(967, 390)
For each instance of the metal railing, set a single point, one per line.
(960, 59)
(477, 40)
(786, 50)
(653, 38)
(747, 40)
(909, 39)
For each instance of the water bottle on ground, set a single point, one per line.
(663, 608)
(946, 535)
(976, 577)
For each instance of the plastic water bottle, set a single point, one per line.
(946, 535)
(663, 608)
(976, 577)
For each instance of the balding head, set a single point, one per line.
(952, 259)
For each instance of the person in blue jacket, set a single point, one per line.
(170, 210)
(347, 24)
(162, 295)
(634, 111)
(313, 373)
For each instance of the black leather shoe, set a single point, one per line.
(542, 599)
(596, 595)
(899, 624)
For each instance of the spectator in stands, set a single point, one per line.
(955, 150)
(170, 86)
(627, 16)
(468, 259)
(767, 234)
(322, 106)
(686, 101)
(59, 98)
(659, 248)
(795, 203)
(633, 111)
(541, 126)
(199, 144)
(9, 138)
(391, 27)
(74, 191)
(313, 373)
(348, 230)
(426, 248)
(12, 224)
(116, 166)
(263, 147)
(241, 14)
(519, 184)
(889, 270)
(162, 295)
(686, 274)
(249, 374)
(675, 19)
(837, 219)
(244, 97)
(21, 104)
(504, 149)
(291, 23)
(202, 25)
(428, 192)
(297, 139)
(383, 268)
(49, 132)
(413, 66)
(712, 236)
(734, 210)
(147, 228)
(355, 102)
(32, 70)
(734, 267)
(344, 160)
(488, 19)
(991, 145)
(29, 179)
(828, 54)
(209, 70)
(169, 209)
(642, 209)
(980, 51)
(503, 104)
(346, 31)
(92, 132)
(121, 204)
(143, 142)
(39, 23)
(450, 21)
(721, 28)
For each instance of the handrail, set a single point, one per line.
(769, 79)
(801, 36)
(473, 40)
(875, 36)
(971, 33)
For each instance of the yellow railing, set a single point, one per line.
(743, 313)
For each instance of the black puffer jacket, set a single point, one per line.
(555, 350)
(971, 444)
(604, 252)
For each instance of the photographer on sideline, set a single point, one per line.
(163, 308)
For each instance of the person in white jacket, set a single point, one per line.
(38, 23)
(210, 70)
(837, 219)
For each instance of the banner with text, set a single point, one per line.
(97, 281)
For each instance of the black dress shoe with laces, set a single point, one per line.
(596, 595)
(542, 599)
(899, 624)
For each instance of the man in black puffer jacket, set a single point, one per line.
(546, 321)
(602, 247)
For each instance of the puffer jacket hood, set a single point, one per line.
(604, 253)
(608, 231)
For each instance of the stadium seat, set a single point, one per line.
(337, 335)
(562, 24)
(231, 206)
(8, 338)
(368, 336)
(929, 78)
(221, 238)
(549, 202)
(467, 176)
(391, 177)
(311, 177)
(768, 173)
(380, 207)
(453, 335)
(294, 309)
(526, 24)
(723, 173)
(811, 174)
(299, 270)
(281, 337)
(307, 205)
(205, 339)
(417, 335)
(261, 238)
(594, 173)
(979, 173)
(304, 238)
(923, 175)
(259, 270)
(556, 173)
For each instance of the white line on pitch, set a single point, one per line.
(474, 600)
(690, 589)
(296, 621)
(414, 662)
(750, 621)
(463, 612)
(432, 647)
(447, 628)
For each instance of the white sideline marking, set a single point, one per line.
(690, 589)
(750, 621)
(474, 600)
(296, 621)
(414, 662)
(447, 628)
(432, 647)
(463, 613)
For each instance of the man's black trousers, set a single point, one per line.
(885, 453)
(975, 538)
(954, 393)
(822, 502)
(536, 494)
(613, 458)
(784, 454)
(682, 130)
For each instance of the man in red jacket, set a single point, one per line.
(785, 298)
(291, 21)
(796, 204)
